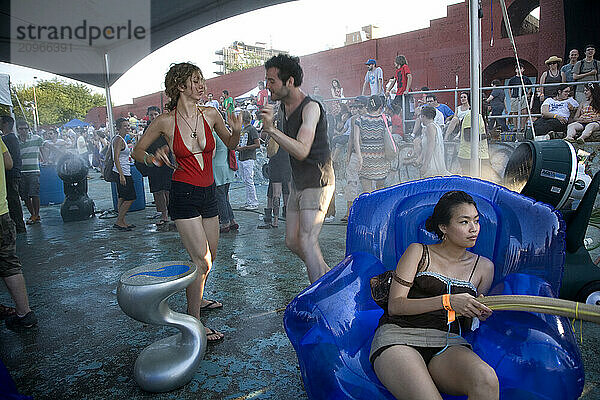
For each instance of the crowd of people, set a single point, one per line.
(193, 150)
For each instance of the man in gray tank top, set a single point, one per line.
(585, 70)
(303, 134)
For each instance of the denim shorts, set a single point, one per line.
(188, 201)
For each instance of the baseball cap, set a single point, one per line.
(371, 61)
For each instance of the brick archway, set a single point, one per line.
(504, 68)
(520, 21)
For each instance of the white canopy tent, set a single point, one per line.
(252, 92)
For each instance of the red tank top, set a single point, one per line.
(189, 170)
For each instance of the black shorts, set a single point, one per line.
(189, 201)
(159, 178)
(126, 192)
(280, 170)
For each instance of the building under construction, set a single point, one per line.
(239, 56)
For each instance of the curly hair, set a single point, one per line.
(442, 212)
(400, 60)
(287, 66)
(176, 77)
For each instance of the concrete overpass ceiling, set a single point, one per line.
(521, 20)
(169, 20)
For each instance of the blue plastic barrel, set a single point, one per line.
(140, 195)
(51, 186)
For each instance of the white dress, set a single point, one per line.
(437, 163)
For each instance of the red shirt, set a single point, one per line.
(189, 170)
(263, 96)
(401, 79)
(397, 125)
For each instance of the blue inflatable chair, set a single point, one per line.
(332, 322)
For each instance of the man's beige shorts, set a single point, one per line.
(310, 198)
(518, 103)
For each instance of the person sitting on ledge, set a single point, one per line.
(587, 117)
(418, 349)
(556, 112)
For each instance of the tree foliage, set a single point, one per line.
(58, 102)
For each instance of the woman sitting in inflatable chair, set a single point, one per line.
(418, 350)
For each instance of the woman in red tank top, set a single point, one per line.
(187, 129)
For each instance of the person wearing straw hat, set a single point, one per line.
(553, 75)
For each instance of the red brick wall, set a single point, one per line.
(435, 56)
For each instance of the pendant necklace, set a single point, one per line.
(193, 134)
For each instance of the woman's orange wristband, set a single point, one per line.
(448, 307)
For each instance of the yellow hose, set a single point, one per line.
(544, 305)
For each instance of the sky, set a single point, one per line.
(300, 27)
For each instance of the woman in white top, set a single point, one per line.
(337, 91)
(556, 112)
(463, 109)
(431, 160)
(122, 168)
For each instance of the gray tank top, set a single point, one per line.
(316, 170)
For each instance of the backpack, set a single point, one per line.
(109, 162)
(580, 64)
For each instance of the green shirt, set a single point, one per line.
(30, 153)
(228, 104)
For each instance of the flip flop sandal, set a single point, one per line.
(122, 228)
(265, 226)
(212, 332)
(211, 305)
